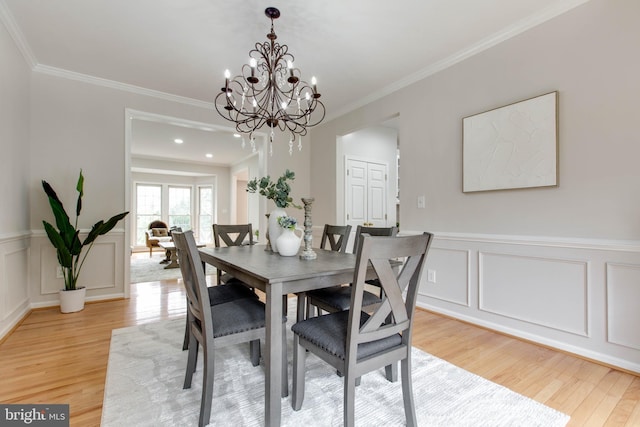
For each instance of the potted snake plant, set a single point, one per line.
(71, 250)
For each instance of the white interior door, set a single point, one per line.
(377, 195)
(366, 193)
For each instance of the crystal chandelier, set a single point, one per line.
(269, 91)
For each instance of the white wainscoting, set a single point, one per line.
(623, 304)
(581, 296)
(102, 273)
(14, 280)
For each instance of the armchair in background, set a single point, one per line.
(157, 232)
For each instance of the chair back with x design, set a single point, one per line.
(337, 236)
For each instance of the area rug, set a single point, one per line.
(149, 269)
(146, 371)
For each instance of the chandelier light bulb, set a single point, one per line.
(227, 74)
(252, 62)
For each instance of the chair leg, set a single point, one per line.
(285, 305)
(391, 372)
(407, 392)
(285, 364)
(254, 349)
(150, 251)
(185, 342)
(207, 388)
(338, 373)
(300, 307)
(191, 361)
(299, 356)
(311, 312)
(349, 400)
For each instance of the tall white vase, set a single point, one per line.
(274, 228)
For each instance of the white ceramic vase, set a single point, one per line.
(274, 228)
(72, 301)
(289, 242)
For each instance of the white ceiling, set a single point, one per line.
(359, 50)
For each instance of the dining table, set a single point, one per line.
(278, 276)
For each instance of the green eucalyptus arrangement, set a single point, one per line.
(277, 191)
(66, 238)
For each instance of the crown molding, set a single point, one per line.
(484, 44)
(509, 32)
(14, 31)
(98, 81)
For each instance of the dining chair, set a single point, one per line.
(338, 298)
(220, 294)
(231, 235)
(215, 326)
(336, 236)
(355, 342)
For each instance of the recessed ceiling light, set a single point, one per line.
(178, 141)
(236, 135)
(209, 155)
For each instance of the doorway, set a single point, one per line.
(189, 154)
(374, 145)
(366, 193)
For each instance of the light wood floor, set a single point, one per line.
(62, 358)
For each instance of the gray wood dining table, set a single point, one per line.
(279, 276)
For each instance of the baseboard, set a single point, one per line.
(13, 321)
(596, 357)
(89, 299)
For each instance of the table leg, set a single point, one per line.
(274, 354)
(174, 259)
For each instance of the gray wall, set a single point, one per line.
(556, 265)
(15, 178)
(589, 55)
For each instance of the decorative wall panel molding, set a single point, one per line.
(623, 304)
(547, 292)
(452, 281)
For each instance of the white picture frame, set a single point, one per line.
(510, 147)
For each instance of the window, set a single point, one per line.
(190, 207)
(205, 214)
(180, 207)
(148, 208)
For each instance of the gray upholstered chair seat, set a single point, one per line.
(237, 316)
(339, 298)
(221, 294)
(329, 332)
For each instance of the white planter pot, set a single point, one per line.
(72, 301)
(274, 228)
(289, 242)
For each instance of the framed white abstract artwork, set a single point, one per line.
(515, 146)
